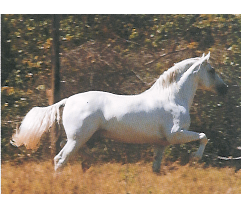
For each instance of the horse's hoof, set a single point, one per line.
(156, 170)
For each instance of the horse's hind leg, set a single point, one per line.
(77, 137)
(69, 149)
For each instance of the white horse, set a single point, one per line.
(159, 116)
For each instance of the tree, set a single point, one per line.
(121, 54)
(55, 138)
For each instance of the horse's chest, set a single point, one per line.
(181, 120)
(176, 116)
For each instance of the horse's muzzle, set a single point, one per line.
(222, 89)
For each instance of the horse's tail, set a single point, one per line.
(35, 123)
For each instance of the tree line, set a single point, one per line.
(121, 54)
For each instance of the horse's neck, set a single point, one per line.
(187, 87)
(183, 90)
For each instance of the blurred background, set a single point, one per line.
(121, 54)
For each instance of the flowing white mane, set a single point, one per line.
(174, 73)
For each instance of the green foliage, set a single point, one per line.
(122, 54)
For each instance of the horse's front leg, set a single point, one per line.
(158, 152)
(199, 153)
(184, 136)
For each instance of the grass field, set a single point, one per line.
(115, 178)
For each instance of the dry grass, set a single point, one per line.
(116, 178)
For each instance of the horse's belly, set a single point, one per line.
(129, 135)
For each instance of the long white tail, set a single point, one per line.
(36, 122)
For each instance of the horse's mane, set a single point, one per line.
(174, 73)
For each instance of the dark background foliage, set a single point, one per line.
(121, 54)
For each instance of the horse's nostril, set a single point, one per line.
(222, 89)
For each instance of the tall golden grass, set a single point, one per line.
(115, 178)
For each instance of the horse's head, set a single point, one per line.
(209, 79)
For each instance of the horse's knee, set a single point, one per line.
(203, 138)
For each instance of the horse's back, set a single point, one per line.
(82, 105)
(127, 118)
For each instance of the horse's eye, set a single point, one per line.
(212, 70)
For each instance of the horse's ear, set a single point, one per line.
(207, 56)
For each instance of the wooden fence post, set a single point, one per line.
(55, 82)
